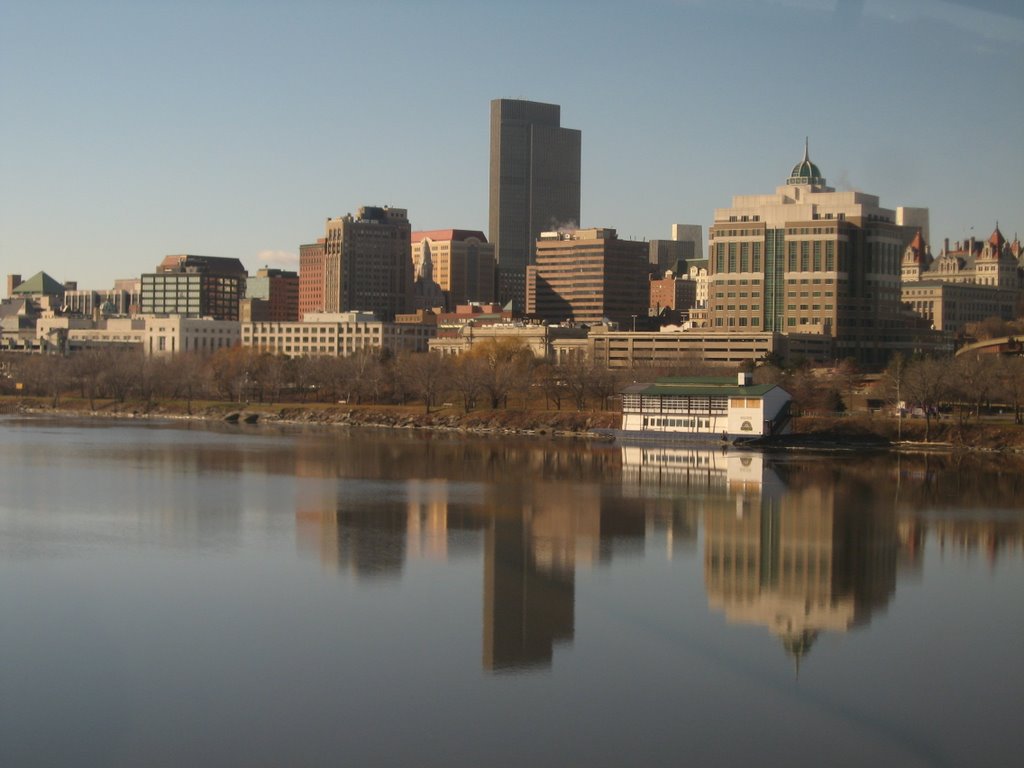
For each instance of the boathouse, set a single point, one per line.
(705, 408)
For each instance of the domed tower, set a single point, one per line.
(806, 172)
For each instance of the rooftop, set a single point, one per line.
(707, 386)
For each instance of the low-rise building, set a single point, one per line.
(335, 333)
(668, 348)
(18, 324)
(109, 303)
(673, 296)
(153, 334)
(705, 408)
(540, 339)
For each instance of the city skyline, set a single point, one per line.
(141, 130)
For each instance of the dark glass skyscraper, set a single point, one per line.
(534, 185)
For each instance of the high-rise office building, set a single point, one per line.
(311, 276)
(587, 276)
(808, 259)
(463, 263)
(194, 286)
(363, 264)
(534, 185)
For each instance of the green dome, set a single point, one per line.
(806, 172)
(805, 169)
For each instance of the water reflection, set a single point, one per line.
(798, 546)
(799, 564)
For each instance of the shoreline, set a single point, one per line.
(855, 433)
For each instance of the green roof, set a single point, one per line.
(40, 284)
(805, 172)
(705, 386)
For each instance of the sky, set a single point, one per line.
(132, 130)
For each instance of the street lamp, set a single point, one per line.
(634, 323)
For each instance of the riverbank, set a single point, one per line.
(856, 432)
(451, 419)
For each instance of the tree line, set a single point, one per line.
(494, 374)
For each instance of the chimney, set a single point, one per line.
(13, 281)
(744, 379)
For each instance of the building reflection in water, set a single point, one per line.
(819, 556)
(798, 546)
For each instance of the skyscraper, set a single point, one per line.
(363, 264)
(588, 275)
(810, 260)
(534, 185)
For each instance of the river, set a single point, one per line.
(175, 594)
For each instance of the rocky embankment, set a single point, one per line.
(532, 422)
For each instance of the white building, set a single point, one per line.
(705, 408)
(154, 334)
(335, 333)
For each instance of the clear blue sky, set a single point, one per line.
(131, 130)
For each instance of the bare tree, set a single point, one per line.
(468, 380)
(425, 374)
(576, 373)
(122, 372)
(44, 375)
(86, 370)
(1010, 383)
(550, 377)
(893, 388)
(604, 384)
(274, 372)
(973, 379)
(366, 375)
(845, 380)
(186, 377)
(927, 385)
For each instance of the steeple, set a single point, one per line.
(997, 240)
(806, 172)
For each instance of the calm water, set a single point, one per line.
(175, 596)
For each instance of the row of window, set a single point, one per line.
(674, 403)
(655, 421)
